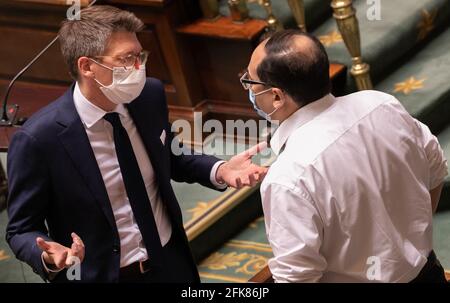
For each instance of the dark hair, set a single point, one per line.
(302, 72)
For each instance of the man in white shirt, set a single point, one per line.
(351, 195)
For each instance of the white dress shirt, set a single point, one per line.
(347, 199)
(100, 134)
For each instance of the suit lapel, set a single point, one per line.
(76, 143)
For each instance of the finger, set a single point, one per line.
(77, 239)
(261, 170)
(252, 180)
(72, 257)
(262, 176)
(76, 255)
(60, 261)
(44, 246)
(238, 183)
(245, 181)
(75, 249)
(257, 176)
(255, 149)
(47, 258)
(78, 243)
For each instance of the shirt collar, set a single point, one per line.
(89, 113)
(299, 118)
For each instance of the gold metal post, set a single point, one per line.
(345, 16)
(210, 9)
(272, 22)
(298, 10)
(238, 10)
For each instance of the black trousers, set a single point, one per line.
(432, 272)
(176, 267)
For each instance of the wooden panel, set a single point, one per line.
(6, 134)
(30, 97)
(156, 3)
(52, 62)
(55, 2)
(219, 64)
(27, 27)
(221, 50)
(184, 84)
(20, 45)
(37, 16)
(86, 2)
(225, 28)
(156, 65)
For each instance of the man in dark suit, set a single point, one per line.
(89, 175)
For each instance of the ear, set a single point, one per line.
(279, 97)
(84, 67)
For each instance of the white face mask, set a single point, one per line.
(127, 85)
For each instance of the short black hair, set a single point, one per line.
(302, 73)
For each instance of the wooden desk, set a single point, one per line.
(30, 97)
(225, 28)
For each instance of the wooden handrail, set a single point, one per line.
(264, 276)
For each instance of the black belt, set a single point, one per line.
(135, 269)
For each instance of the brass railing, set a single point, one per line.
(348, 26)
(343, 12)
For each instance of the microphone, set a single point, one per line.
(9, 113)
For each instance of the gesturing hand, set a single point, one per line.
(239, 171)
(58, 255)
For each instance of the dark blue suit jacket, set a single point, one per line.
(55, 185)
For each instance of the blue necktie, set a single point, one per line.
(136, 190)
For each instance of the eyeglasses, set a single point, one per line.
(247, 83)
(131, 59)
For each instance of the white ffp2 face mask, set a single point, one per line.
(127, 84)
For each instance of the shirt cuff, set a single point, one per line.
(48, 270)
(212, 177)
